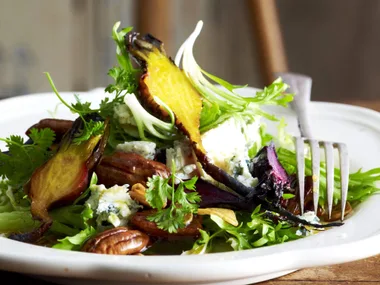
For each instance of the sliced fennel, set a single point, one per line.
(145, 122)
(222, 102)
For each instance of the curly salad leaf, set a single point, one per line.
(361, 185)
(254, 230)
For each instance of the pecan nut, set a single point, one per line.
(137, 193)
(60, 127)
(118, 241)
(140, 221)
(128, 168)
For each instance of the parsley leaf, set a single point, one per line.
(124, 75)
(126, 81)
(42, 138)
(183, 203)
(18, 165)
(170, 220)
(91, 128)
(188, 201)
(82, 108)
(158, 191)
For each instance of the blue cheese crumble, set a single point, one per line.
(112, 205)
(227, 147)
(124, 115)
(143, 148)
(182, 156)
(310, 217)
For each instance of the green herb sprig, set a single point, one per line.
(22, 159)
(162, 190)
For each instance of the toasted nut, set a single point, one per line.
(188, 218)
(119, 241)
(140, 221)
(128, 168)
(137, 193)
(60, 127)
(226, 215)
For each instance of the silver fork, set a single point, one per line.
(300, 86)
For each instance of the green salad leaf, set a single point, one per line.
(17, 221)
(76, 242)
(361, 185)
(254, 230)
(73, 222)
(15, 213)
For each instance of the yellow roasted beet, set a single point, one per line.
(164, 80)
(65, 175)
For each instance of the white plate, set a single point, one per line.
(358, 238)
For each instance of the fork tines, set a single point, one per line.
(315, 146)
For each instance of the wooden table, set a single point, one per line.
(363, 272)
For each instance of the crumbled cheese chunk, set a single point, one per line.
(124, 115)
(181, 155)
(227, 146)
(143, 148)
(113, 205)
(238, 168)
(310, 217)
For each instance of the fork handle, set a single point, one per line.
(300, 86)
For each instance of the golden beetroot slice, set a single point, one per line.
(66, 175)
(164, 80)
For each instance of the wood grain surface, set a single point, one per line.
(364, 271)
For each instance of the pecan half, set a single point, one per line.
(119, 241)
(128, 168)
(140, 221)
(137, 193)
(60, 127)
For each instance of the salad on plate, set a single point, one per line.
(172, 161)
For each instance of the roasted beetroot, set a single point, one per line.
(212, 196)
(66, 175)
(273, 179)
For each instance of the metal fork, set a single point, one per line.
(300, 86)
